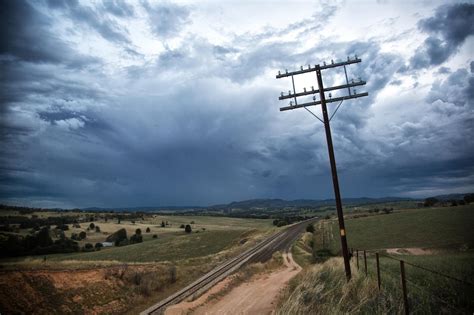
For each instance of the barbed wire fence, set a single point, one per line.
(362, 258)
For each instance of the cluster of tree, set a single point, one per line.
(119, 238)
(36, 222)
(187, 228)
(432, 201)
(79, 237)
(37, 243)
(384, 210)
(288, 220)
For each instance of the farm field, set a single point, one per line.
(128, 277)
(437, 239)
(446, 228)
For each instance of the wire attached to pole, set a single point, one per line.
(336, 110)
(314, 115)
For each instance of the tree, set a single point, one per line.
(43, 238)
(82, 235)
(92, 226)
(188, 228)
(429, 202)
(182, 226)
(310, 228)
(148, 230)
(163, 224)
(138, 231)
(155, 236)
(88, 247)
(468, 198)
(97, 228)
(136, 238)
(98, 246)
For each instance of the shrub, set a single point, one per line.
(182, 226)
(117, 236)
(310, 228)
(172, 272)
(155, 236)
(148, 230)
(163, 224)
(192, 222)
(82, 235)
(98, 246)
(136, 238)
(88, 247)
(97, 228)
(92, 226)
(138, 231)
(188, 228)
(429, 202)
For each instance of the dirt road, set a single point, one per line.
(257, 296)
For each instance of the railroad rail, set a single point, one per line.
(260, 252)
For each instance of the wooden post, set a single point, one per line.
(404, 286)
(365, 262)
(357, 255)
(378, 268)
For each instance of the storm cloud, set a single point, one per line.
(155, 103)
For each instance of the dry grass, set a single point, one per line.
(322, 289)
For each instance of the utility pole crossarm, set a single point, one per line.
(332, 88)
(323, 67)
(331, 100)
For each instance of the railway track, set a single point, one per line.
(261, 252)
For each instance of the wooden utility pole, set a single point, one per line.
(326, 119)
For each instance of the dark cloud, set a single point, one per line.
(107, 27)
(166, 19)
(447, 29)
(21, 27)
(199, 123)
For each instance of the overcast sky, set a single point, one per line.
(118, 104)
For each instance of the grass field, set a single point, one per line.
(168, 247)
(447, 233)
(449, 227)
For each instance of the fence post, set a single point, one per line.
(404, 286)
(365, 262)
(357, 255)
(378, 268)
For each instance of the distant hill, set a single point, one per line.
(281, 203)
(451, 197)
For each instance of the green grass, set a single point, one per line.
(447, 231)
(169, 247)
(450, 227)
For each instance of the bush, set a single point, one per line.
(136, 238)
(155, 236)
(88, 247)
(148, 230)
(182, 226)
(117, 236)
(138, 231)
(188, 228)
(82, 235)
(310, 228)
(92, 226)
(98, 246)
(192, 222)
(429, 202)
